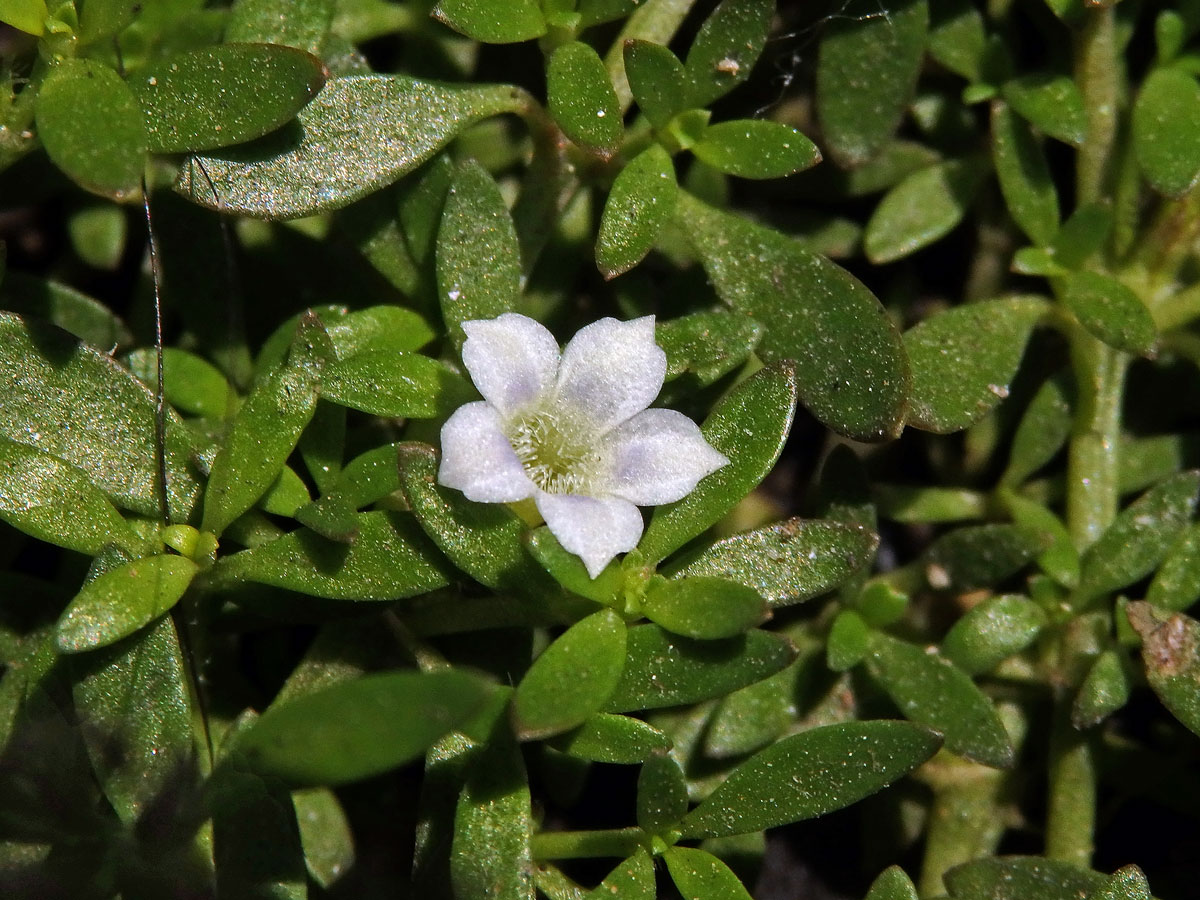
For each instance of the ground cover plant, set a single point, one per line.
(594, 449)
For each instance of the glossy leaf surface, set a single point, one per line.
(698, 873)
(992, 631)
(493, 21)
(581, 97)
(386, 383)
(1020, 878)
(657, 80)
(726, 48)
(1176, 585)
(609, 738)
(292, 23)
(638, 206)
(704, 606)
(755, 148)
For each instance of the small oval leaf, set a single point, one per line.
(581, 97)
(756, 148)
(1166, 130)
(640, 203)
(704, 606)
(1111, 311)
(921, 209)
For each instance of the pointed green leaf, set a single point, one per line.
(608, 738)
(224, 94)
(1140, 537)
(1051, 103)
(387, 383)
(810, 309)
(977, 556)
(568, 569)
(1171, 653)
(866, 71)
(640, 203)
(360, 728)
(957, 39)
(136, 696)
(849, 641)
(190, 384)
(1127, 883)
(1105, 689)
(1020, 878)
(1166, 130)
(391, 328)
(359, 135)
(664, 670)
(572, 678)
(707, 344)
(756, 148)
(892, 884)
(704, 606)
(993, 631)
(749, 426)
(752, 717)
(324, 834)
(493, 21)
(291, 23)
(698, 873)
(389, 559)
(88, 319)
(91, 126)
(964, 359)
(657, 80)
(1024, 176)
(53, 501)
(122, 600)
(1082, 235)
(810, 774)
(265, 431)
(922, 209)
(581, 97)
(1111, 311)
(1042, 432)
(662, 797)
(930, 690)
(478, 258)
(286, 495)
(1176, 585)
(726, 48)
(632, 879)
(26, 15)
(790, 561)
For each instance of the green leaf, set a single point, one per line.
(708, 345)
(88, 319)
(640, 203)
(1024, 176)
(572, 678)
(1140, 537)
(1166, 131)
(849, 641)
(700, 874)
(790, 561)
(478, 257)
(568, 569)
(76, 403)
(581, 97)
(122, 600)
(1176, 585)
(756, 148)
(811, 774)
(292, 23)
(324, 833)
(1171, 653)
(376, 328)
(493, 824)
(286, 495)
(485, 540)
(662, 797)
(749, 426)
(1082, 235)
(90, 124)
(657, 80)
(726, 49)
(977, 556)
(98, 234)
(922, 209)
(1111, 311)
(1020, 878)
(810, 309)
(136, 697)
(1042, 432)
(1105, 689)
(387, 383)
(632, 879)
(993, 631)
(608, 738)
(964, 359)
(190, 384)
(53, 501)
(390, 559)
(1127, 883)
(930, 690)
(752, 717)
(704, 606)
(359, 135)
(360, 728)
(26, 15)
(664, 670)
(866, 71)
(957, 40)
(1051, 103)
(892, 884)
(493, 21)
(265, 430)
(224, 94)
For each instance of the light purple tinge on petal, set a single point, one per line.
(658, 456)
(594, 529)
(478, 459)
(512, 360)
(611, 370)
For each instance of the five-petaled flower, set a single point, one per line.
(572, 431)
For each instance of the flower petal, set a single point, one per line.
(611, 370)
(658, 456)
(477, 458)
(594, 529)
(512, 360)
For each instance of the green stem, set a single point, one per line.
(613, 842)
(656, 21)
(964, 824)
(1071, 817)
(1097, 72)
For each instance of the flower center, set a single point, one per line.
(556, 456)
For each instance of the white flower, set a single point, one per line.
(572, 431)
